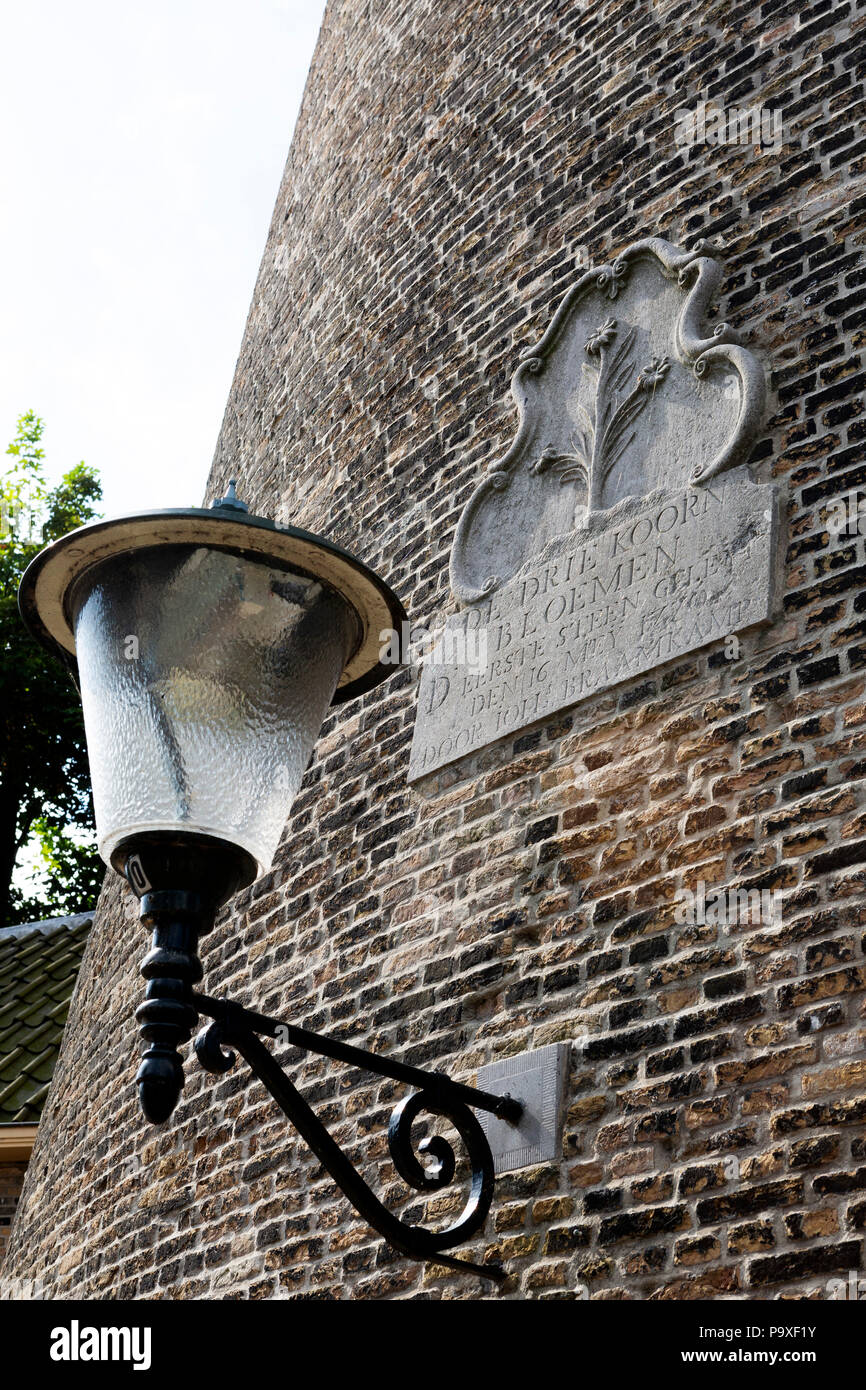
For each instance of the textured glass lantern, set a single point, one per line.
(208, 645)
(205, 676)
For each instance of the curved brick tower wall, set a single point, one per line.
(450, 160)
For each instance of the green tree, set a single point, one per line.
(45, 803)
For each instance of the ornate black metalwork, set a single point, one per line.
(212, 871)
(167, 1016)
(237, 1028)
(154, 863)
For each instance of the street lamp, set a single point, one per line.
(207, 645)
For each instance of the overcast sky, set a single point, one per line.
(140, 156)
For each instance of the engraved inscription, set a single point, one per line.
(651, 579)
(621, 528)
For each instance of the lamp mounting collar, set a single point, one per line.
(231, 501)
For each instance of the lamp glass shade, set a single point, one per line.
(205, 676)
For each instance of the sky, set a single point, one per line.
(140, 159)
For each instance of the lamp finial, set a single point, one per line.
(231, 500)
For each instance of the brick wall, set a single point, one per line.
(450, 160)
(11, 1182)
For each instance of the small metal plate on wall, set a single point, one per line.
(538, 1080)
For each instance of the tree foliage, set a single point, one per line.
(45, 803)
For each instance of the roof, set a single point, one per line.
(39, 964)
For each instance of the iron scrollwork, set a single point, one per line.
(235, 1029)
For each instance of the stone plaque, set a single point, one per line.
(537, 1079)
(620, 530)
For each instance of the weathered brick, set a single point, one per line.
(746, 1201)
(634, 1225)
(803, 1264)
(434, 209)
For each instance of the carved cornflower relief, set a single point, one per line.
(612, 408)
(593, 550)
(602, 436)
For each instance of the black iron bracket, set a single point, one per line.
(171, 1009)
(235, 1029)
